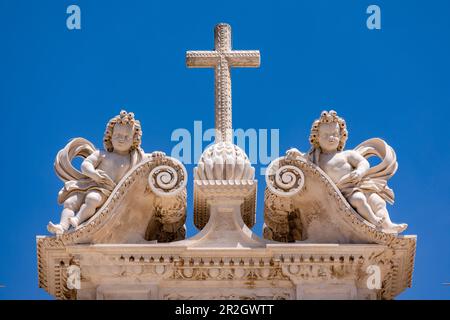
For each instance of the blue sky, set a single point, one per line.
(57, 84)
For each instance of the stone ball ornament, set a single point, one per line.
(224, 161)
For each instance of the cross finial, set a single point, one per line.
(222, 59)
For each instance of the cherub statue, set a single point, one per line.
(364, 187)
(84, 192)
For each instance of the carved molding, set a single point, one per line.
(186, 269)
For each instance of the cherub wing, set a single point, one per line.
(375, 179)
(378, 147)
(78, 147)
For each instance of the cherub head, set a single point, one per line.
(329, 132)
(123, 133)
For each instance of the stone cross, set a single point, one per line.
(222, 59)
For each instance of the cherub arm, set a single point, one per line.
(88, 167)
(360, 163)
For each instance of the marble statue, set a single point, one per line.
(128, 211)
(84, 192)
(364, 187)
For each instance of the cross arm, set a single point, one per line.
(201, 59)
(244, 58)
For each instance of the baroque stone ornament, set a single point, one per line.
(133, 246)
(85, 191)
(223, 162)
(103, 190)
(222, 59)
(364, 187)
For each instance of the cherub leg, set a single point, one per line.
(359, 201)
(379, 207)
(92, 201)
(71, 205)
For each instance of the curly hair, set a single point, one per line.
(328, 117)
(123, 118)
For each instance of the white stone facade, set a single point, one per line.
(316, 245)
